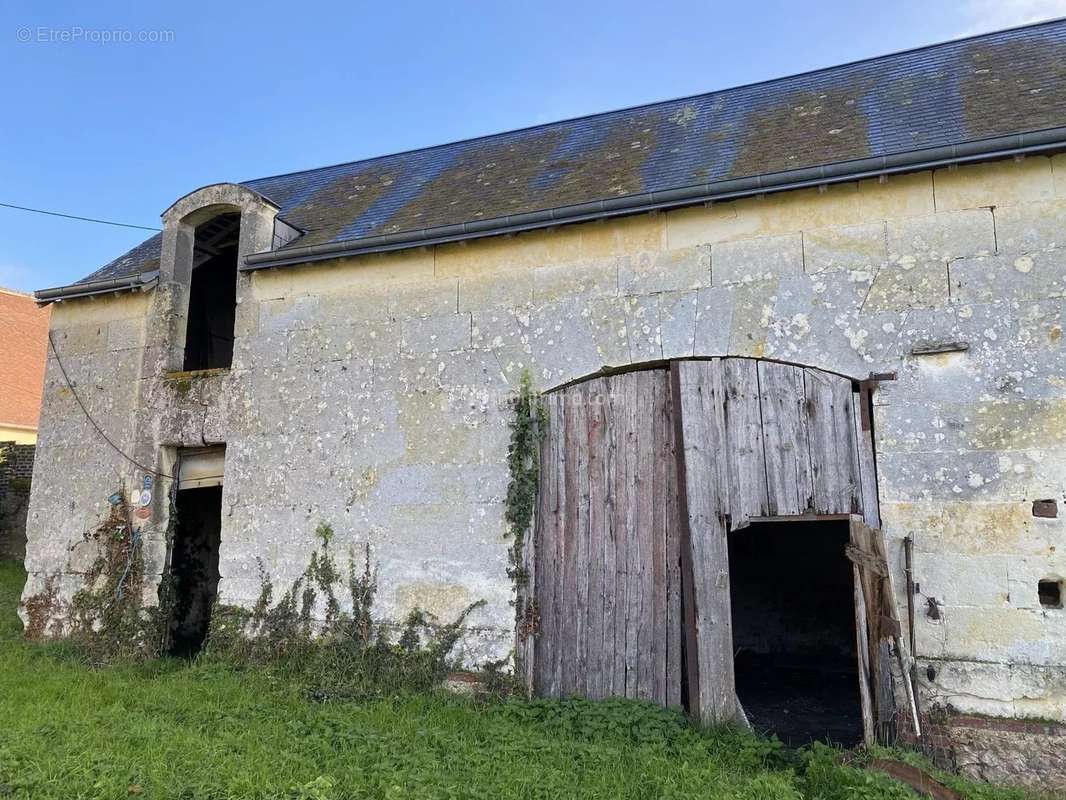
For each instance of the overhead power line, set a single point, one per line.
(88, 416)
(75, 216)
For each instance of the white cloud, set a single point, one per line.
(983, 16)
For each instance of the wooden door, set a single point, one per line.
(607, 573)
(643, 476)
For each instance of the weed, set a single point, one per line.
(106, 620)
(523, 463)
(41, 609)
(341, 654)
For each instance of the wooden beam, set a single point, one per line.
(688, 595)
(862, 642)
(702, 395)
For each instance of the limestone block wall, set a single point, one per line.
(100, 342)
(371, 393)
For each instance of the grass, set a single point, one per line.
(206, 731)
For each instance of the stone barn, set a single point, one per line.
(802, 389)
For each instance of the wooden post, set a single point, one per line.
(862, 646)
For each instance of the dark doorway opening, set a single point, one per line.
(213, 294)
(194, 567)
(792, 596)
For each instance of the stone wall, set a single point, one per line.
(1020, 752)
(16, 463)
(16, 470)
(371, 393)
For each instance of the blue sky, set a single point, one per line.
(120, 129)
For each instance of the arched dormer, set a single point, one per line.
(206, 235)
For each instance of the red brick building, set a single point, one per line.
(23, 353)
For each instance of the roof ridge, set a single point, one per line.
(653, 103)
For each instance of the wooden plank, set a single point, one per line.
(640, 501)
(891, 627)
(883, 625)
(547, 527)
(566, 602)
(612, 484)
(701, 388)
(834, 459)
(621, 401)
(870, 507)
(634, 557)
(658, 579)
(743, 445)
(908, 688)
(862, 648)
(884, 691)
(918, 779)
(559, 534)
(598, 504)
(690, 638)
(674, 621)
(648, 577)
(870, 587)
(783, 404)
(580, 412)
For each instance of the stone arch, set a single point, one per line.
(561, 371)
(180, 221)
(256, 215)
(638, 365)
(229, 196)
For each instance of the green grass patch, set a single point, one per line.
(206, 730)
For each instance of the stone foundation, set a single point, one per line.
(1027, 753)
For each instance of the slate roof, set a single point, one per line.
(947, 94)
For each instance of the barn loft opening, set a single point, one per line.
(793, 616)
(213, 294)
(194, 550)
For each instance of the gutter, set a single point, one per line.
(141, 282)
(841, 172)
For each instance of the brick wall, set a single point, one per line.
(16, 469)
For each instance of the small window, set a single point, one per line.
(1050, 591)
(213, 294)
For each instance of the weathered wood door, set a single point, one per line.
(607, 577)
(876, 625)
(756, 439)
(643, 475)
